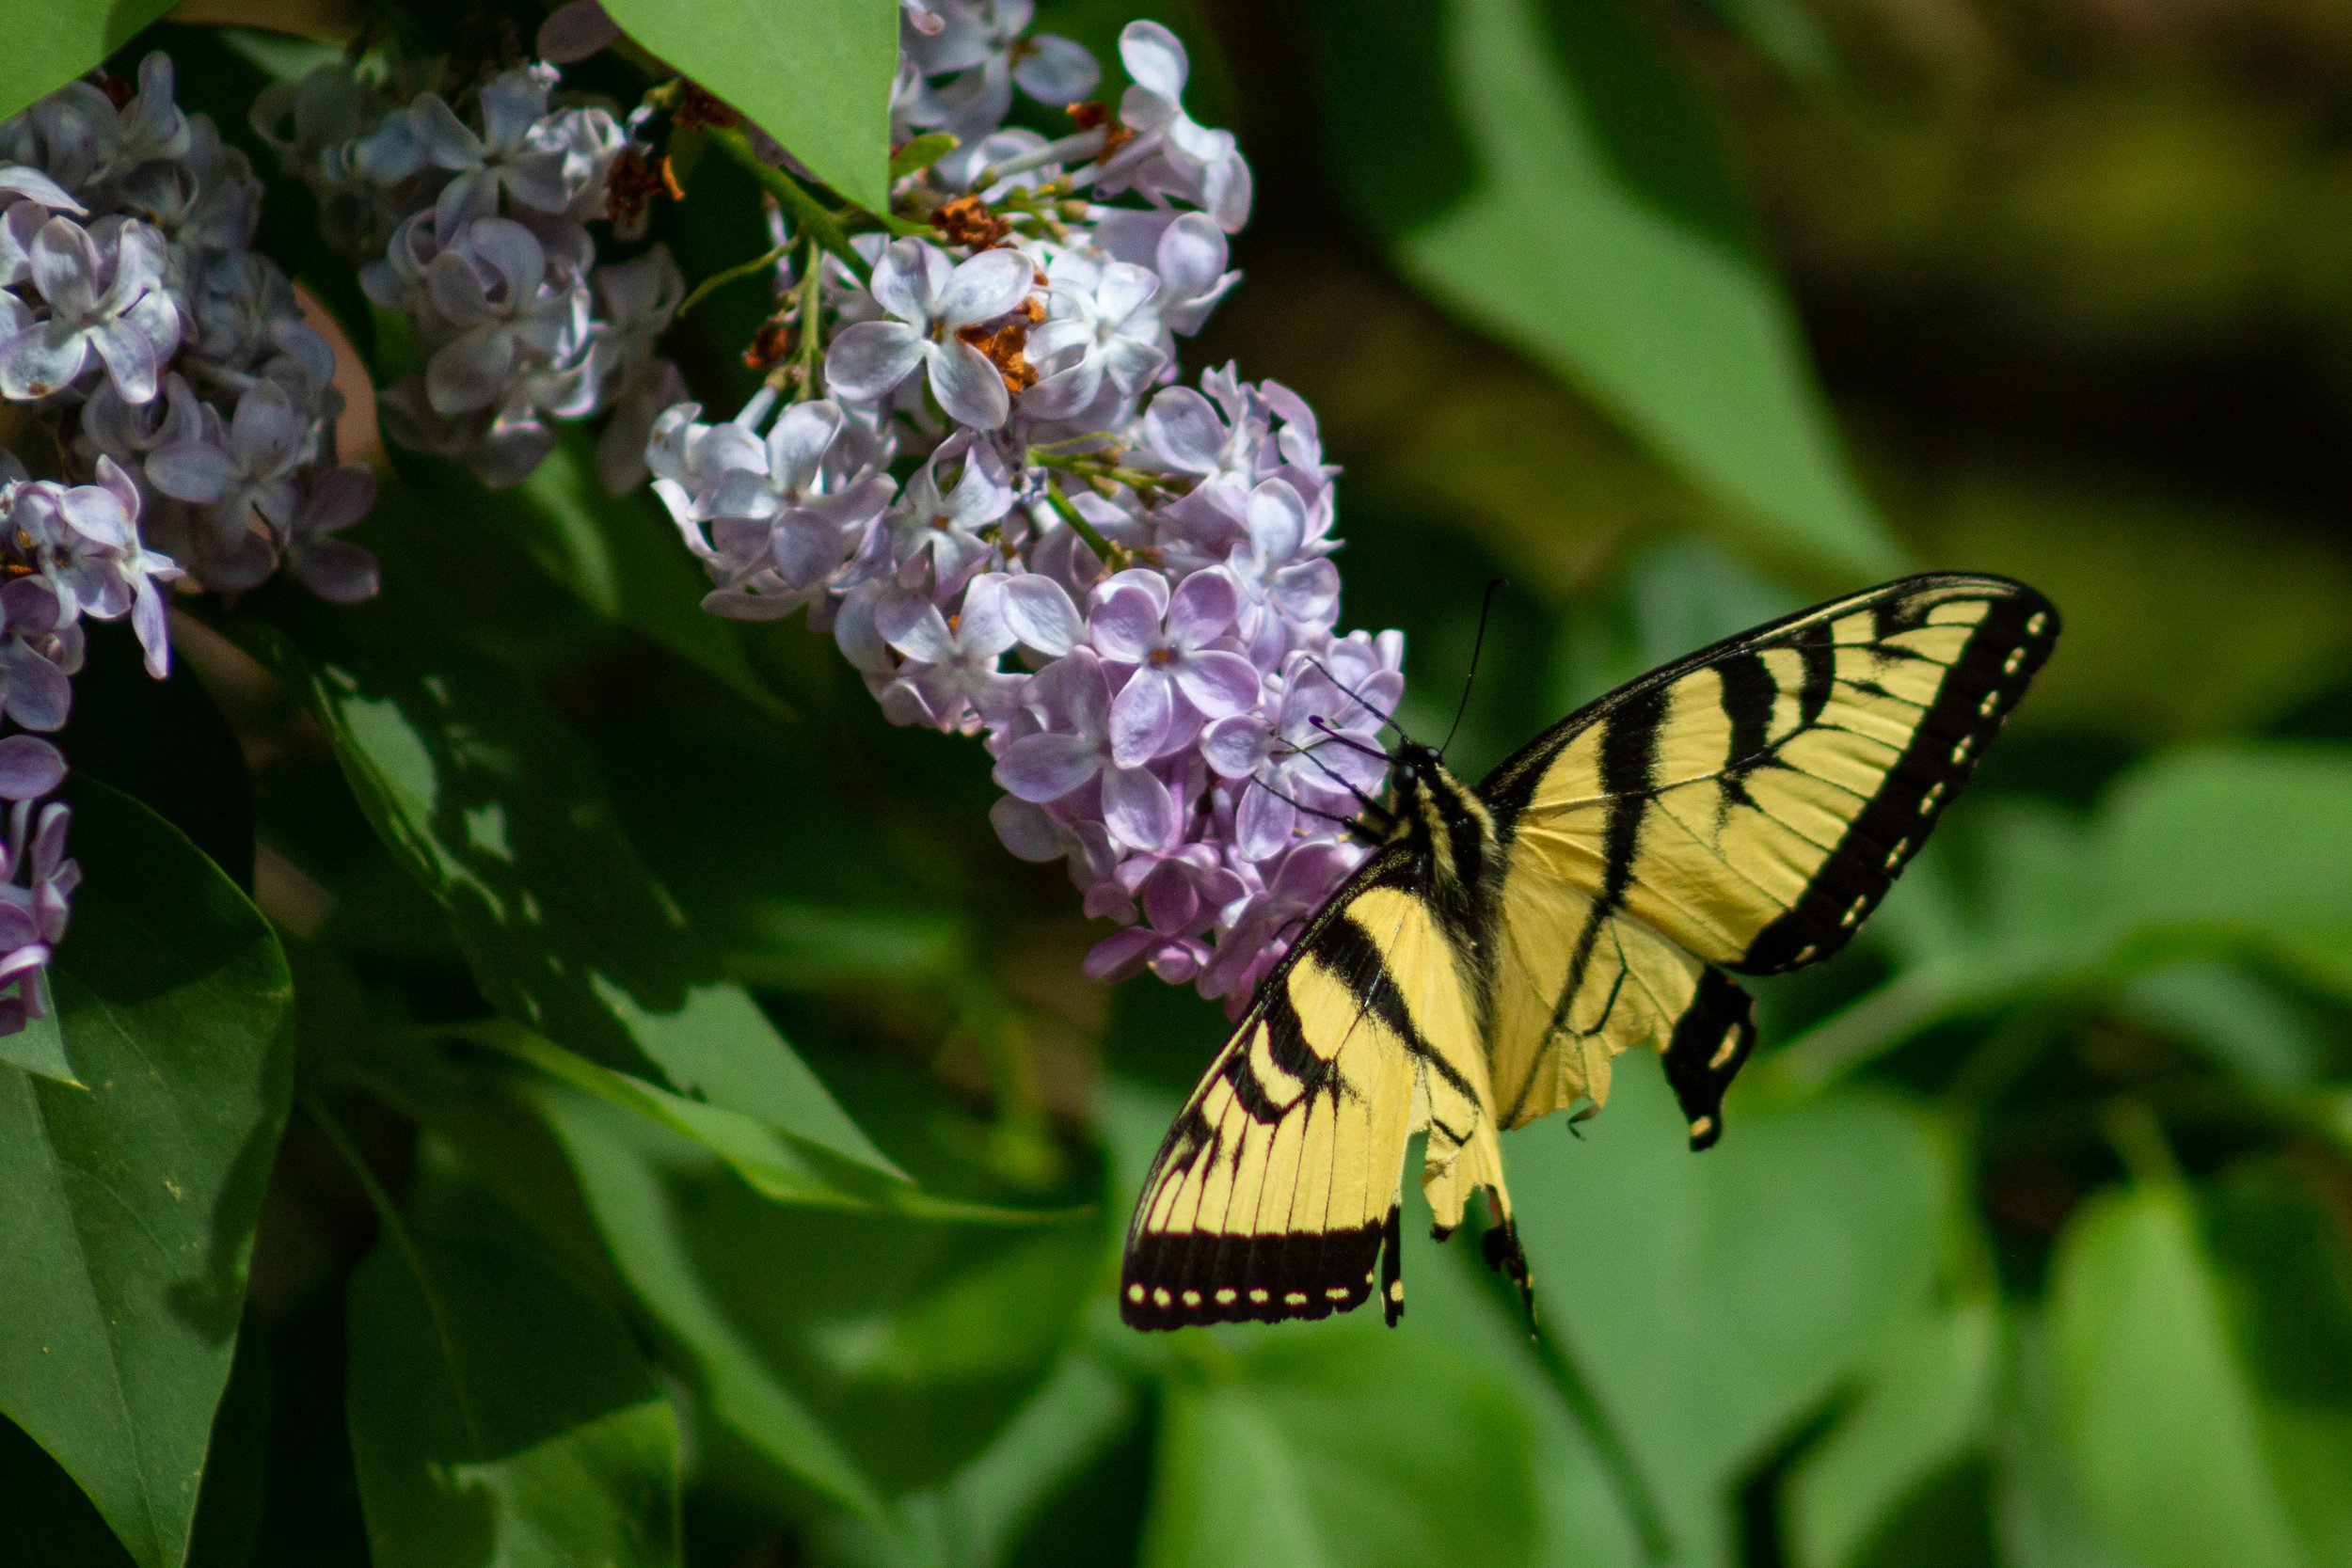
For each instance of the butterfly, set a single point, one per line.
(1740, 810)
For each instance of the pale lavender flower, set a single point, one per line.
(510, 157)
(1172, 154)
(1072, 698)
(1102, 327)
(980, 45)
(108, 304)
(931, 300)
(933, 531)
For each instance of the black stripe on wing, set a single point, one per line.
(1996, 666)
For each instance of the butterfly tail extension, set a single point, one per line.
(1504, 1254)
(1393, 1268)
(1710, 1042)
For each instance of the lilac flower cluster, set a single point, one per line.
(135, 316)
(1124, 583)
(185, 414)
(475, 225)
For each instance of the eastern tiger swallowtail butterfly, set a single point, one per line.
(1743, 809)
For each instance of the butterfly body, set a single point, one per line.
(1740, 810)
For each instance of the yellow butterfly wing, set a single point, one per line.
(1275, 1195)
(1745, 807)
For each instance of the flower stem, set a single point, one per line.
(812, 305)
(806, 210)
(1113, 557)
(720, 279)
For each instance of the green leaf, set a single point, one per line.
(904, 1343)
(1564, 193)
(979, 1513)
(2286, 1276)
(493, 803)
(2160, 1421)
(1712, 1300)
(1345, 1446)
(815, 76)
(617, 555)
(56, 43)
(501, 1414)
(39, 1048)
(131, 1203)
(1924, 1406)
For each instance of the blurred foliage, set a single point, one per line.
(690, 1139)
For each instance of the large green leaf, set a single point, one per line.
(617, 555)
(2162, 1424)
(1537, 168)
(903, 1344)
(815, 74)
(499, 1414)
(55, 43)
(1924, 1406)
(131, 1204)
(1345, 1446)
(493, 803)
(1713, 1300)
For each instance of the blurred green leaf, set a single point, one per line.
(2286, 1276)
(2159, 1417)
(617, 555)
(2243, 1024)
(1924, 1404)
(2237, 850)
(975, 1518)
(1568, 195)
(1784, 30)
(493, 803)
(131, 1203)
(501, 1414)
(2047, 1520)
(1713, 1300)
(815, 75)
(904, 1343)
(1350, 1445)
(57, 43)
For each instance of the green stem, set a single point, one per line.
(2140, 1142)
(810, 312)
(807, 214)
(718, 280)
(1113, 557)
(1634, 1495)
(387, 1216)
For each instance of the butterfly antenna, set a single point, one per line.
(1346, 739)
(1355, 696)
(1300, 805)
(1485, 609)
(1367, 801)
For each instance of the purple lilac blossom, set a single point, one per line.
(1159, 682)
(472, 220)
(190, 414)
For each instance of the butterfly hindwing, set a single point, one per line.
(1275, 1195)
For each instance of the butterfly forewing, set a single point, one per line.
(1747, 806)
